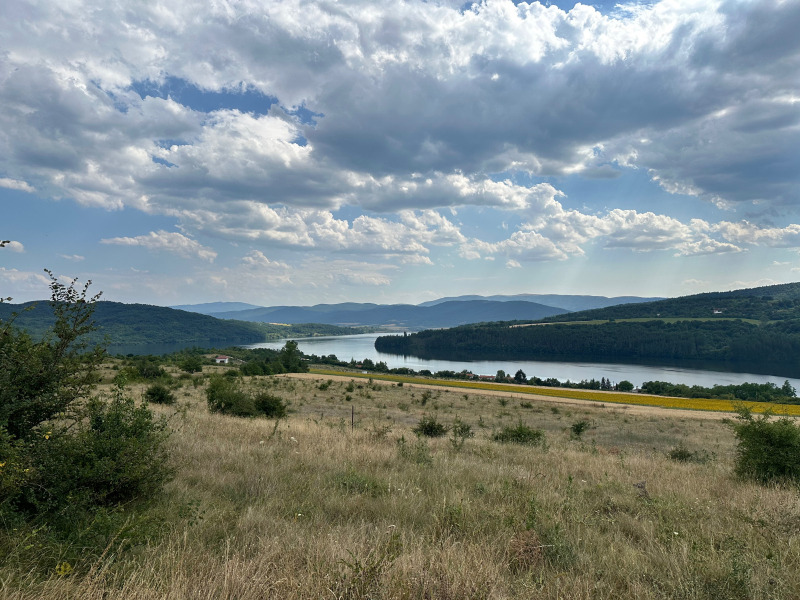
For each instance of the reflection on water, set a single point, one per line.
(359, 347)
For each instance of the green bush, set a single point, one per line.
(521, 434)
(115, 455)
(459, 433)
(430, 427)
(681, 453)
(226, 395)
(270, 406)
(67, 455)
(191, 364)
(158, 393)
(768, 449)
(579, 428)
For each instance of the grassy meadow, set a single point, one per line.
(635, 505)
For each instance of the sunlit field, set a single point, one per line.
(342, 500)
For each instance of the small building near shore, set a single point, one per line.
(221, 359)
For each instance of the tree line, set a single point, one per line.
(733, 342)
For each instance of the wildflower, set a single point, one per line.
(63, 569)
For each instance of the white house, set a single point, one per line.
(222, 359)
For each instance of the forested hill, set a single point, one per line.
(770, 303)
(131, 324)
(756, 329)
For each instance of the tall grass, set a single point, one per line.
(320, 510)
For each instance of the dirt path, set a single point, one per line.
(634, 409)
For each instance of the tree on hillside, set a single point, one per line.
(64, 452)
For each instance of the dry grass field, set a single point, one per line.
(317, 506)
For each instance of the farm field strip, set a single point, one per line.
(704, 404)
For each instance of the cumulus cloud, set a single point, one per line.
(745, 232)
(15, 184)
(461, 93)
(13, 246)
(369, 124)
(173, 242)
(24, 281)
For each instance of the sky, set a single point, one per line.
(320, 151)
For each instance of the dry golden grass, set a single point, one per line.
(318, 508)
(704, 404)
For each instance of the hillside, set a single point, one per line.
(133, 324)
(569, 302)
(445, 314)
(775, 302)
(706, 329)
(209, 308)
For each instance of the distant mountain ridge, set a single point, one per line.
(209, 308)
(444, 312)
(569, 302)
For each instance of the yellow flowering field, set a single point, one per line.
(593, 395)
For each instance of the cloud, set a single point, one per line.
(368, 129)
(73, 257)
(450, 95)
(13, 246)
(173, 242)
(745, 232)
(14, 184)
(256, 259)
(25, 281)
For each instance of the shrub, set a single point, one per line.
(147, 368)
(521, 434)
(459, 434)
(430, 427)
(67, 455)
(768, 449)
(225, 395)
(115, 455)
(681, 453)
(579, 427)
(191, 364)
(158, 393)
(270, 406)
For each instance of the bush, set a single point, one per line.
(192, 364)
(430, 427)
(579, 428)
(225, 395)
(117, 454)
(681, 453)
(67, 455)
(768, 449)
(158, 393)
(521, 434)
(270, 406)
(459, 434)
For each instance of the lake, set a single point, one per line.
(359, 347)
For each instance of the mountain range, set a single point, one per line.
(444, 312)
